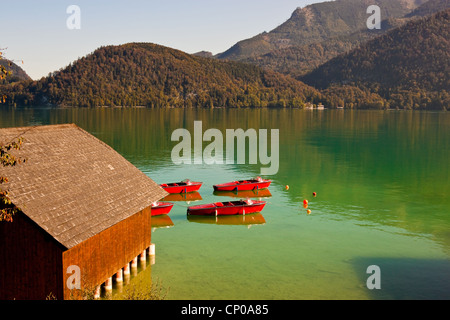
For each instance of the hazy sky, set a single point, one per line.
(36, 32)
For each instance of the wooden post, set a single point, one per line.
(144, 255)
(134, 263)
(97, 292)
(108, 284)
(151, 253)
(119, 276)
(126, 269)
(151, 249)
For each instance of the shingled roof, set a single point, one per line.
(73, 185)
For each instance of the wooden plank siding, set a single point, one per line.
(30, 261)
(102, 255)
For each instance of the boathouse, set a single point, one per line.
(83, 207)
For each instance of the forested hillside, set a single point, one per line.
(408, 67)
(144, 74)
(322, 31)
(15, 73)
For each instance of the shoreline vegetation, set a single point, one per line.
(312, 107)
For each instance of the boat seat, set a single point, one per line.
(164, 185)
(219, 204)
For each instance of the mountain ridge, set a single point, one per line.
(407, 67)
(298, 59)
(315, 23)
(145, 74)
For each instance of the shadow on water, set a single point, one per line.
(407, 278)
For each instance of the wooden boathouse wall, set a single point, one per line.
(30, 260)
(102, 255)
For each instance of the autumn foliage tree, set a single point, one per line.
(7, 209)
(3, 74)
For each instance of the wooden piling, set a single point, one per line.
(108, 284)
(126, 269)
(119, 276)
(143, 256)
(151, 250)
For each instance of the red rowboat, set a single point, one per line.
(160, 208)
(181, 187)
(227, 208)
(252, 184)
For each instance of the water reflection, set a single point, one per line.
(230, 220)
(186, 197)
(260, 193)
(162, 221)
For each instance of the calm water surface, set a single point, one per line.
(382, 182)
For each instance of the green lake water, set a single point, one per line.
(382, 182)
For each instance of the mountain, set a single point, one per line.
(17, 73)
(144, 74)
(296, 61)
(317, 23)
(428, 8)
(408, 67)
(204, 54)
(296, 58)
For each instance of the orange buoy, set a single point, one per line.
(287, 187)
(305, 205)
(314, 194)
(308, 211)
(305, 202)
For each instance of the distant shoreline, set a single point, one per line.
(206, 108)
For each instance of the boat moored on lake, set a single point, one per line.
(240, 207)
(181, 187)
(161, 208)
(241, 185)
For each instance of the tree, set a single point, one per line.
(7, 209)
(3, 74)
